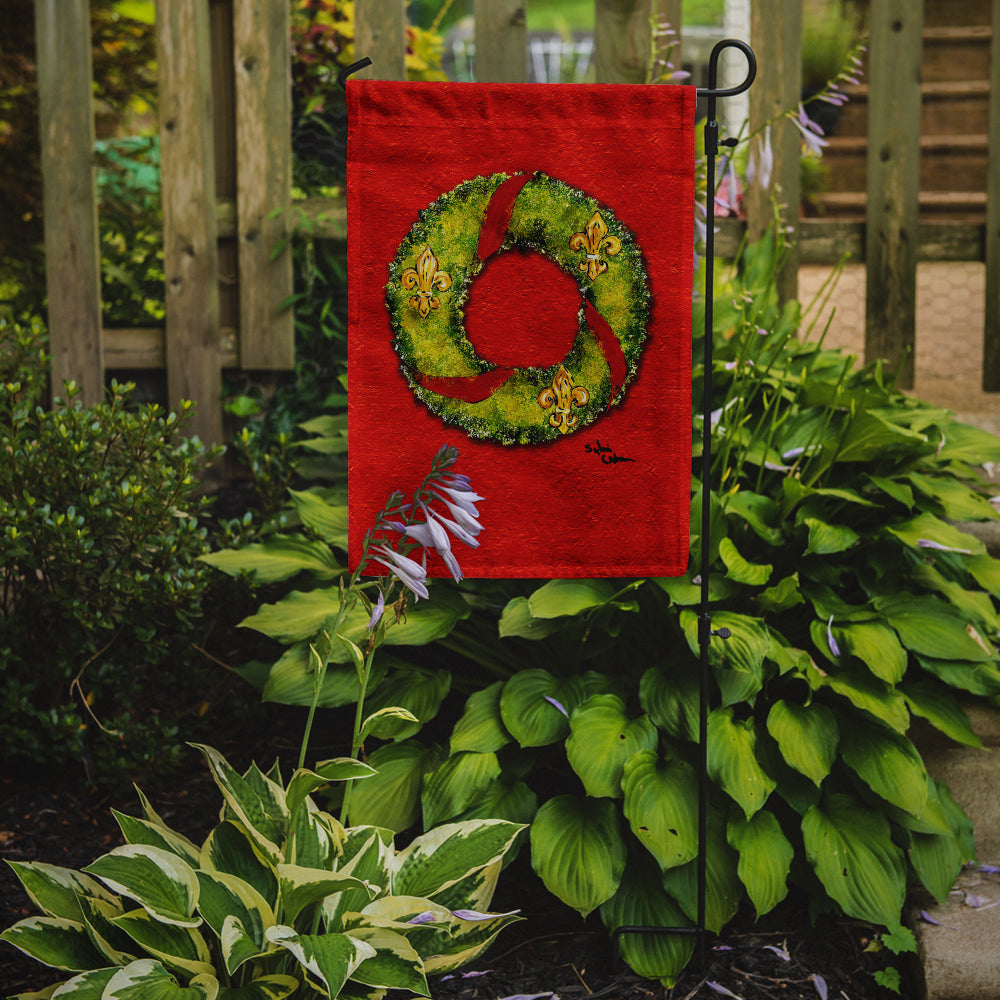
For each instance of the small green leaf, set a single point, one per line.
(936, 704)
(535, 706)
(481, 727)
(456, 785)
(559, 598)
(828, 539)
(279, 558)
(765, 858)
(392, 797)
(888, 763)
(739, 569)
(670, 698)
(732, 760)
(517, 620)
(807, 736)
(327, 520)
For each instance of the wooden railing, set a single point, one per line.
(226, 161)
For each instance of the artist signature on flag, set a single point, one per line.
(607, 454)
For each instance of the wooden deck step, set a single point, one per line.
(947, 106)
(955, 206)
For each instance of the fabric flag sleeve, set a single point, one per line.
(519, 286)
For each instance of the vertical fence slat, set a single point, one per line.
(621, 40)
(380, 34)
(190, 254)
(893, 183)
(991, 333)
(261, 32)
(501, 41)
(72, 257)
(776, 35)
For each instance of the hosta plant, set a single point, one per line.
(279, 900)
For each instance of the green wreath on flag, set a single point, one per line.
(445, 251)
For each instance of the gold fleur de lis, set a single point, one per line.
(561, 397)
(592, 241)
(425, 278)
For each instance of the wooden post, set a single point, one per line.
(893, 183)
(621, 40)
(190, 254)
(776, 35)
(991, 333)
(380, 34)
(72, 256)
(261, 41)
(501, 41)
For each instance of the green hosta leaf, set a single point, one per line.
(559, 598)
(274, 987)
(888, 763)
(160, 882)
(670, 698)
(865, 692)
(577, 850)
(527, 709)
(937, 858)
(765, 858)
(976, 678)
(741, 571)
(304, 782)
(279, 558)
(465, 941)
(732, 760)
(941, 709)
(641, 901)
(807, 736)
(738, 661)
(515, 803)
(388, 722)
(893, 488)
(440, 858)
(395, 964)
(958, 502)
(975, 605)
(965, 443)
(876, 646)
(230, 849)
(684, 592)
(986, 572)
(292, 680)
(928, 528)
(723, 889)
(147, 979)
(391, 798)
(456, 784)
(225, 897)
(517, 620)
(850, 847)
(828, 539)
(301, 887)
(758, 511)
(415, 689)
(56, 891)
(931, 628)
(870, 435)
(330, 959)
(481, 728)
(141, 831)
(260, 809)
(602, 738)
(661, 806)
(180, 948)
(54, 941)
(327, 520)
(783, 595)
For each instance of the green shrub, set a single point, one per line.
(99, 540)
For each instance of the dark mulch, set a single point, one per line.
(551, 951)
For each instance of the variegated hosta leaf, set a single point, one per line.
(56, 891)
(661, 805)
(274, 987)
(602, 737)
(732, 760)
(466, 941)
(55, 941)
(158, 880)
(257, 802)
(141, 831)
(328, 959)
(456, 784)
(367, 853)
(395, 964)
(850, 847)
(888, 763)
(578, 851)
(230, 849)
(441, 857)
(300, 887)
(225, 897)
(391, 799)
(535, 706)
(304, 782)
(177, 947)
(481, 727)
(315, 838)
(642, 902)
(723, 889)
(116, 946)
(86, 986)
(807, 736)
(765, 858)
(147, 979)
(476, 890)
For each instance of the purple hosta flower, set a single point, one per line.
(834, 648)
(719, 988)
(411, 574)
(531, 996)
(927, 918)
(427, 917)
(760, 165)
(475, 915)
(727, 198)
(990, 869)
(820, 983)
(465, 975)
(811, 132)
(780, 952)
(377, 611)
(552, 701)
(927, 543)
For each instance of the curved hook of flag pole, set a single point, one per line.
(353, 68)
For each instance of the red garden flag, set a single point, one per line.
(519, 277)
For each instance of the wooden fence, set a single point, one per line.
(226, 161)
